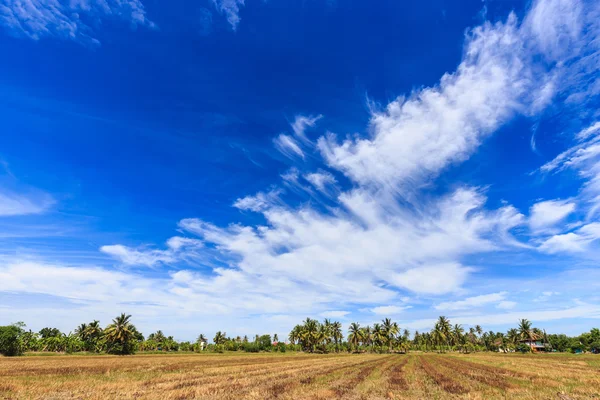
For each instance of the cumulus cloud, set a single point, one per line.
(473, 302)
(36, 19)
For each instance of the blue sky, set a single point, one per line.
(239, 166)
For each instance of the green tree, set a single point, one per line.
(220, 338)
(354, 335)
(10, 340)
(121, 336)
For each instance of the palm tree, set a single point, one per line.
(442, 330)
(406, 335)
(220, 338)
(120, 335)
(390, 330)
(458, 335)
(82, 331)
(525, 330)
(513, 336)
(354, 334)
(295, 333)
(377, 336)
(336, 332)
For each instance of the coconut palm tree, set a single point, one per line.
(458, 335)
(443, 331)
(82, 331)
(120, 335)
(390, 330)
(354, 335)
(336, 332)
(513, 336)
(526, 331)
(294, 335)
(220, 338)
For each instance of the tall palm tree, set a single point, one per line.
(513, 336)
(458, 335)
(220, 338)
(354, 334)
(390, 330)
(443, 329)
(526, 331)
(294, 335)
(120, 335)
(377, 335)
(82, 331)
(336, 332)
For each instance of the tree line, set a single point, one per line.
(122, 337)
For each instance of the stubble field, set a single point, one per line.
(300, 376)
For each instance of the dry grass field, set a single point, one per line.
(301, 376)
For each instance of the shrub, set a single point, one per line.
(281, 347)
(10, 340)
(523, 348)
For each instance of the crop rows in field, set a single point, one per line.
(413, 376)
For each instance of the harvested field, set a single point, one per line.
(301, 376)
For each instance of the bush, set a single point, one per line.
(280, 347)
(251, 347)
(10, 340)
(523, 348)
(219, 348)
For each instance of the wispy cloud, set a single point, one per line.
(389, 310)
(288, 146)
(62, 19)
(13, 204)
(231, 9)
(473, 302)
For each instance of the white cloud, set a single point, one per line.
(389, 310)
(472, 302)
(12, 204)
(178, 243)
(36, 19)
(129, 256)
(546, 214)
(288, 146)
(416, 137)
(334, 314)
(506, 305)
(231, 9)
(512, 318)
(259, 202)
(301, 123)
(578, 241)
(320, 180)
(583, 157)
(383, 236)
